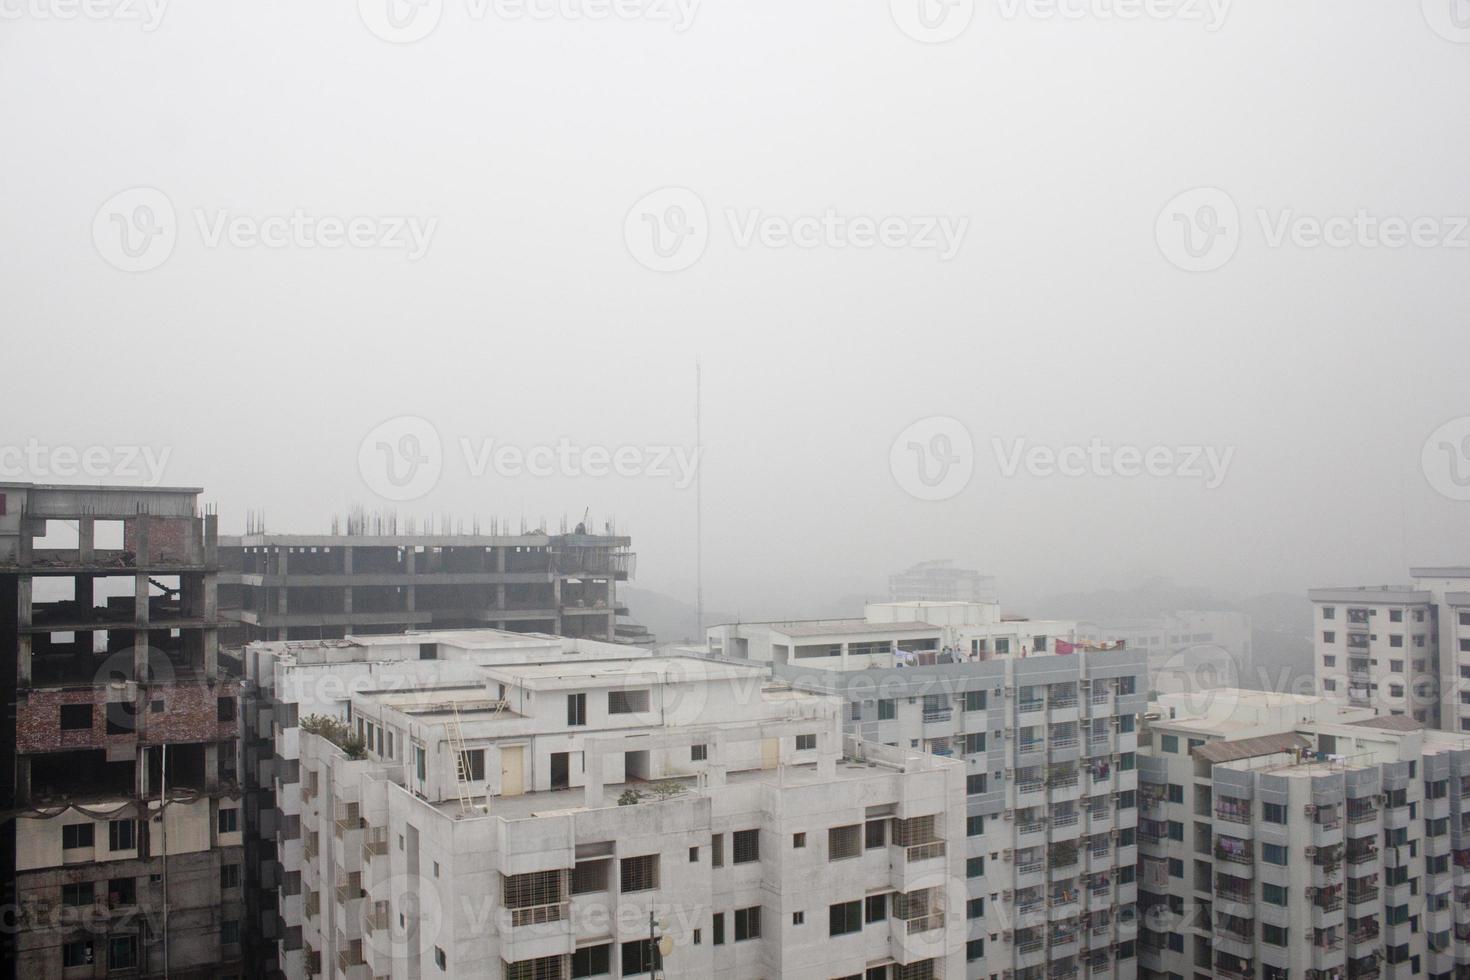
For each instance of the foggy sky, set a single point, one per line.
(529, 321)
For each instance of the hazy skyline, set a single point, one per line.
(500, 291)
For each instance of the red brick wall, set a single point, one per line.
(168, 537)
(190, 714)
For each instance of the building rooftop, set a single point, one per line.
(1248, 748)
(1392, 723)
(642, 670)
(1360, 593)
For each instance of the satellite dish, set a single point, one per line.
(665, 945)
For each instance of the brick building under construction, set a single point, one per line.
(122, 839)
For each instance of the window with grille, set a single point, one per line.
(805, 742)
(472, 765)
(923, 970)
(626, 702)
(589, 876)
(746, 846)
(747, 923)
(717, 851)
(844, 842)
(638, 874)
(699, 753)
(545, 968)
(877, 833)
(533, 897)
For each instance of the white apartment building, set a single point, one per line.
(561, 814)
(1285, 836)
(941, 580)
(1397, 648)
(1045, 729)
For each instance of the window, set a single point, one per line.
(717, 851)
(1176, 793)
(805, 742)
(975, 908)
(844, 842)
(122, 952)
(440, 959)
(748, 923)
(592, 961)
(876, 834)
(77, 893)
(974, 743)
(637, 957)
(718, 928)
(693, 855)
(1395, 615)
(1329, 612)
(229, 931)
(875, 908)
(798, 840)
(75, 835)
(78, 953)
(229, 876)
(589, 876)
(1273, 812)
(699, 753)
(1328, 636)
(974, 700)
(746, 846)
(576, 709)
(420, 763)
(229, 820)
(1274, 854)
(1396, 640)
(974, 867)
(974, 826)
(1273, 894)
(1169, 743)
(856, 714)
(844, 918)
(638, 874)
(122, 835)
(1273, 935)
(885, 709)
(798, 918)
(472, 765)
(974, 950)
(626, 703)
(76, 717)
(122, 891)
(975, 782)
(224, 709)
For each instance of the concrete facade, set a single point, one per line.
(1379, 647)
(488, 827)
(1287, 836)
(296, 586)
(1048, 744)
(123, 834)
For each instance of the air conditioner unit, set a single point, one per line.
(1311, 892)
(1007, 936)
(1112, 835)
(1007, 854)
(1009, 815)
(1380, 798)
(1311, 851)
(1310, 810)
(1008, 894)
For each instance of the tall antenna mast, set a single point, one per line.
(698, 503)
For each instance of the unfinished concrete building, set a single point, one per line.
(373, 579)
(122, 843)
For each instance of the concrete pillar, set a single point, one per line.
(500, 587)
(211, 765)
(140, 539)
(140, 656)
(86, 540)
(411, 567)
(347, 589)
(23, 660)
(23, 779)
(283, 566)
(23, 601)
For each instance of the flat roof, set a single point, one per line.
(832, 627)
(1391, 723)
(1249, 748)
(650, 670)
(1383, 593)
(100, 487)
(1441, 571)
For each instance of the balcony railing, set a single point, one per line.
(535, 915)
(1028, 706)
(938, 714)
(1357, 896)
(924, 851)
(924, 923)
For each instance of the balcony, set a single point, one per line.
(1233, 851)
(1360, 896)
(375, 843)
(1029, 705)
